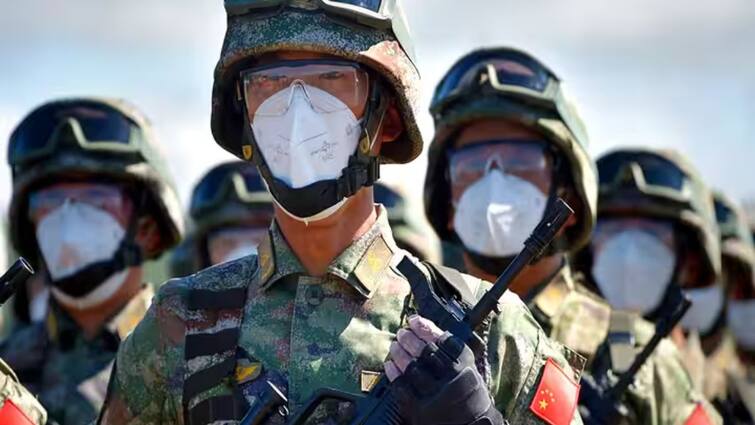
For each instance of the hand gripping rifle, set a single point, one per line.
(15, 276)
(382, 405)
(600, 402)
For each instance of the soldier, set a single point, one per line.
(407, 233)
(230, 211)
(91, 201)
(709, 344)
(506, 146)
(656, 232)
(318, 94)
(731, 379)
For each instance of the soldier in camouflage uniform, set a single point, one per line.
(730, 376)
(656, 232)
(230, 212)
(407, 233)
(322, 304)
(711, 348)
(506, 145)
(91, 201)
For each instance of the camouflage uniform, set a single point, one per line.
(17, 405)
(564, 306)
(54, 359)
(304, 333)
(49, 356)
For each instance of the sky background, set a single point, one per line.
(674, 73)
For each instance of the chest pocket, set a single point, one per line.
(212, 340)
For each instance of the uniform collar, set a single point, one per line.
(360, 265)
(62, 329)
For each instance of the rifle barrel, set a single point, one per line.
(11, 279)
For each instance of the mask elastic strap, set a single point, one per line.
(364, 168)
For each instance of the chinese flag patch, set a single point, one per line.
(698, 417)
(556, 396)
(10, 414)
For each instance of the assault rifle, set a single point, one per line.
(382, 405)
(15, 276)
(600, 401)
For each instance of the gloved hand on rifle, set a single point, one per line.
(436, 376)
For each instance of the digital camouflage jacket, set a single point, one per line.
(303, 333)
(65, 370)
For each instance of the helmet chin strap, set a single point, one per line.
(363, 168)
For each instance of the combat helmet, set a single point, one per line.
(370, 32)
(105, 138)
(227, 195)
(662, 184)
(507, 83)
(736, 238)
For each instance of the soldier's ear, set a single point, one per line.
(393, 125)
(148, 234)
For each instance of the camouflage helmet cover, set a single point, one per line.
(303, 26)
(692, 206)
(561, 128)
(146, 168)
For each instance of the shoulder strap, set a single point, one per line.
(214, 334)
(449, 282)
(449, 285)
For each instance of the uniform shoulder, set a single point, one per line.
(22, 400)
(174, 293)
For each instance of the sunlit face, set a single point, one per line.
(107, 197)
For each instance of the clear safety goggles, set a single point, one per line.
(650, 173)
(530, 160)
(344, 80)
(245, 183)
(95, 127)
(373, 13)
(106, 197)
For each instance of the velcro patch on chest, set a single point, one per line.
(698, 417)
(368, 379)
(10, 414)
(556, 396)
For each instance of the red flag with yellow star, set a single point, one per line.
(556, 396)
(698, 417)
(10, 414)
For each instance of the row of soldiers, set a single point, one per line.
(293, 278)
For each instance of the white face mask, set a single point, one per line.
(497, 213)
(633, 270)
(706, 306)
(306, 135)
(740, 316)
(74, 236)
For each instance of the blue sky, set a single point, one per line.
(674, 74)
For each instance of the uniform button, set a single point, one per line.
(314, 295)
